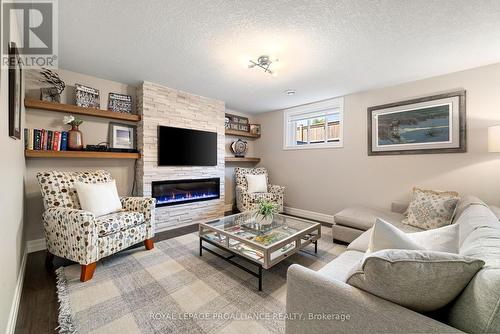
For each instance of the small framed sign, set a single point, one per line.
(234, 122)
(87, 97)
(120, 103)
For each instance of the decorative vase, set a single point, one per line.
(263, 220)
(75, 139)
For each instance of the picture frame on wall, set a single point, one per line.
(433, 124)
(121, 136)
(15, 92)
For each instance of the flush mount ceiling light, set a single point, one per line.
(264, 62)
(290, 92)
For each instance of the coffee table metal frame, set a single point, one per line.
(300, 239)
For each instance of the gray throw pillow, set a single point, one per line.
(416, 279)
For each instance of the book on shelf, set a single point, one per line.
(45, 140)
(64, 141)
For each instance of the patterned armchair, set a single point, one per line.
(78, 235)
(246, 201)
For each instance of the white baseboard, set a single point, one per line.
(11, 324)
(322, 217)
(36, 245)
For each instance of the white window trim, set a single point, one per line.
(310, 108)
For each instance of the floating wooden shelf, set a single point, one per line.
(80, 154)
(237, 133)
(234, 159)
(71, 109)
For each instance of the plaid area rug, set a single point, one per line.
(171, 289)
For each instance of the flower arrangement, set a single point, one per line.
(71, 120)
(265, 212)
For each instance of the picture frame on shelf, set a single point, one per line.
(432, 124)
(255, 129)
(87, 97)
(15, 91)
(122, 136)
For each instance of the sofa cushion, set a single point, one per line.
(464, 203)
(363, 218)
(419, 280)
(495, 210)
(431, 209)
(345, 234)
(118, 221)
(477, 309)
(340, 267)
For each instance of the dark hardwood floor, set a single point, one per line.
(39, 308)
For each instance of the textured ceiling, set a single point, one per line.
(326, 48)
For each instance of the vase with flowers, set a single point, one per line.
(75, 137)
(264, 214)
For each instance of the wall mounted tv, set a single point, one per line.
(186, 147)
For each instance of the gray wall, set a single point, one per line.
(11, 206)
(327, 180)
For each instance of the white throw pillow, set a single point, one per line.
(443, 239)
(388, 236)
(98, 198)
(256, 183)
(419, 280)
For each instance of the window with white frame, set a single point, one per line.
(315, 125)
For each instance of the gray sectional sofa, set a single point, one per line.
(328, 305)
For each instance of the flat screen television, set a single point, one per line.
(186, 147)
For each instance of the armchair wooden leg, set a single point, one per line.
(49, 258)
(87, 271)
(148, 243)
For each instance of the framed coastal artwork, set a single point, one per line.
(433, 124)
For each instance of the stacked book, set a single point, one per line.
(46, 140)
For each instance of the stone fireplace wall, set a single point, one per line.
(159, 105)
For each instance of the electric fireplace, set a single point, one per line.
(174, 192)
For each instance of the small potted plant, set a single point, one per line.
(265, 212)
(75, 137)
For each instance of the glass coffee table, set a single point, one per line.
(261, 245)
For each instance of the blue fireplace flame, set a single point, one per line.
(176, 198)
(173, 192)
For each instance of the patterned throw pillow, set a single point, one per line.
(431, 209)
